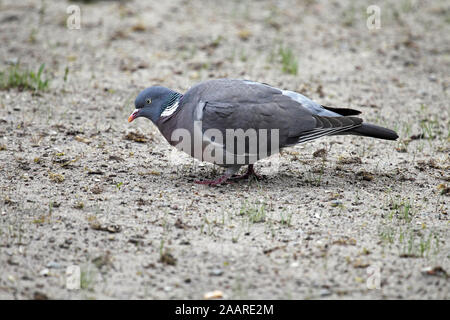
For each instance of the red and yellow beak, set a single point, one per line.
(133, 115)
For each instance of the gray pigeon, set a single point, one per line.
(237, 122)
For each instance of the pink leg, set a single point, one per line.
(223, 179)
(249, 174)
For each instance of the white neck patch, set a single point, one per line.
(170, 109)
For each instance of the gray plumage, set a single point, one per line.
(241, 104)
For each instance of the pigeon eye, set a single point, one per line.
(149, 101)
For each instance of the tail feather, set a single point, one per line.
(374, 131)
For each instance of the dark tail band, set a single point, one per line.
(374, 131)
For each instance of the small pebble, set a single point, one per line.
(53, 265)
(336, 203)
(325, 293)
(44, 272)
(216, 272)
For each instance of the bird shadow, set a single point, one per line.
(331, 177)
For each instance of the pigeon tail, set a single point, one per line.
(374, 131)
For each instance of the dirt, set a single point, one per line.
(338, 218)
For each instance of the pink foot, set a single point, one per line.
(249, 174)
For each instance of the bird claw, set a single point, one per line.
(250, 174)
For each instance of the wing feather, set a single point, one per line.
(239, 104)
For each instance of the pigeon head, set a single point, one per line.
(151, 102)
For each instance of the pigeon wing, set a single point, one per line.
(237, 104)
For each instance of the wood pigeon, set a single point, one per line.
(233, 122)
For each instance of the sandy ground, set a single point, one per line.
(363, 219)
